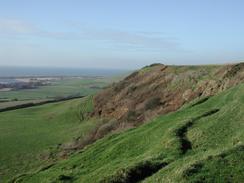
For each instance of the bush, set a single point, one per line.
(152, 103)
(131, 116)
(132, 75)
(106, 128)
(131, 89)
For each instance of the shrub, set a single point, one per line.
(131, 116)
(106, 128)
(131, 89)
(132, 75)
(152, 103)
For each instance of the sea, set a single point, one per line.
(7, 74)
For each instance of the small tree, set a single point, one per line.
(82, 112)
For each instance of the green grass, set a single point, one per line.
(217, 142)
(27, 133)
(200, 73)
(60, 88)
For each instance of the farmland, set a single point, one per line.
(59, 88)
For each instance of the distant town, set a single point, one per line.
(33, 82)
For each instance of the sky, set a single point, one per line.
(121, 34)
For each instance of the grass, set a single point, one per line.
(23, 138)
(216, 153)
(60, 88)
(200, 73)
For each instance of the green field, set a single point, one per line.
(26, 134)
(198, 143)
(60, 88)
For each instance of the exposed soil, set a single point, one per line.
(186, 144)
(200, 101)
(158, 89)
(137, 173)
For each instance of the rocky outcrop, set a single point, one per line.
(159, 89)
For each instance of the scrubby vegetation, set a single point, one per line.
(160, 89)
(152, 103)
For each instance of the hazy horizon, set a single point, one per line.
(34, 71)
(120, 34)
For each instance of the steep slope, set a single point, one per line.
(159, 89)
(213, 130)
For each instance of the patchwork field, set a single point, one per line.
(59, 88)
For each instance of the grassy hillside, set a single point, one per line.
(27, 136)
(201, 142)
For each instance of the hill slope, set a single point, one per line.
(201, 142)
(29, 136)
(159, 89)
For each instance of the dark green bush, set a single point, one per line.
(152, 103)
(131, 89)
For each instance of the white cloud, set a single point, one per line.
(13, 26)
(134, 39)
(112, 38)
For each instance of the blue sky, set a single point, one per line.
(120, 33)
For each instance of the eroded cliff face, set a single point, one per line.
(160, 89)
